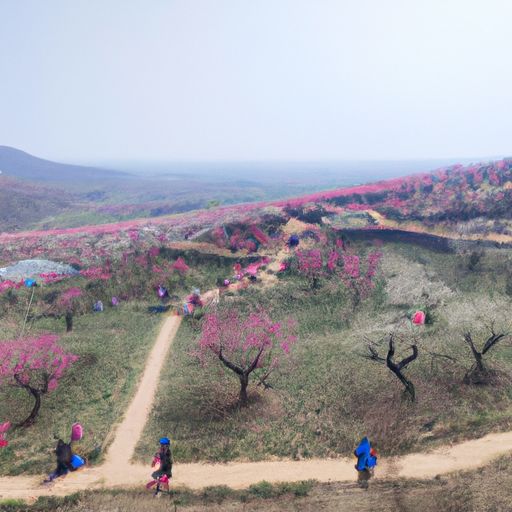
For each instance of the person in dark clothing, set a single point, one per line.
(64, 454)
(164, 459)
(293, 241)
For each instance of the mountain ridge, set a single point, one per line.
(20, 164)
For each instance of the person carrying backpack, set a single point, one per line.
(64, 455)
(366, 462)
(66, 459)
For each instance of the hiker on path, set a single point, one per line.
(64, 454)
(164, 459)
(366, 462)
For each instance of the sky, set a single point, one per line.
(292, 80)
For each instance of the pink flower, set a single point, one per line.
(332, 260)
(181, 266)
(418, 318)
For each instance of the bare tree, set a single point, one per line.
(396, 368)
(478, 373)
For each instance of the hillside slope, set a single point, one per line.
(472, 202)
(17, 163)
(468, 201)
(23, 203)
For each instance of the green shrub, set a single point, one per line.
(263, 490)
(12, 505)
(298, 489)
(216, 493)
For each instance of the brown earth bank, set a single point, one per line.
(429, 241)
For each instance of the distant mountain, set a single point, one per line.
(18, 164)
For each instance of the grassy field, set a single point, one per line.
(328, 396)
(112, 347)
(486, 490)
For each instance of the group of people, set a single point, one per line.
(67, 461)
(365, 453)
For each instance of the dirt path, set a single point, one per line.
(117, 471)
(129, 431)
(467, 455)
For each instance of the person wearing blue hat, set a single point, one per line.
(164, 458)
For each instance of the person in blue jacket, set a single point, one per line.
(366, 462)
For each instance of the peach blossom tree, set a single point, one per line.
(35, 365)
(246, 344)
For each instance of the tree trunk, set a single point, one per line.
(69, 321)
(244, 382)
(479, 362)
(409, 386)
(397, 368)
(35, 410)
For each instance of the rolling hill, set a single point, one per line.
(23, 203)
(18, 164)
(472, 201)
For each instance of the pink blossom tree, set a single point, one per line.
(67, 304)
(245, 344)
(359, 282)
(35, 365)
(310, 265)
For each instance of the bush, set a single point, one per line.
(298, 489)
(12, 505)
(263, 490)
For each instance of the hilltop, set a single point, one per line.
(18, 164)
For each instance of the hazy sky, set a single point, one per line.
(89, 80)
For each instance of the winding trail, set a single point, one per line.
(117, 471)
